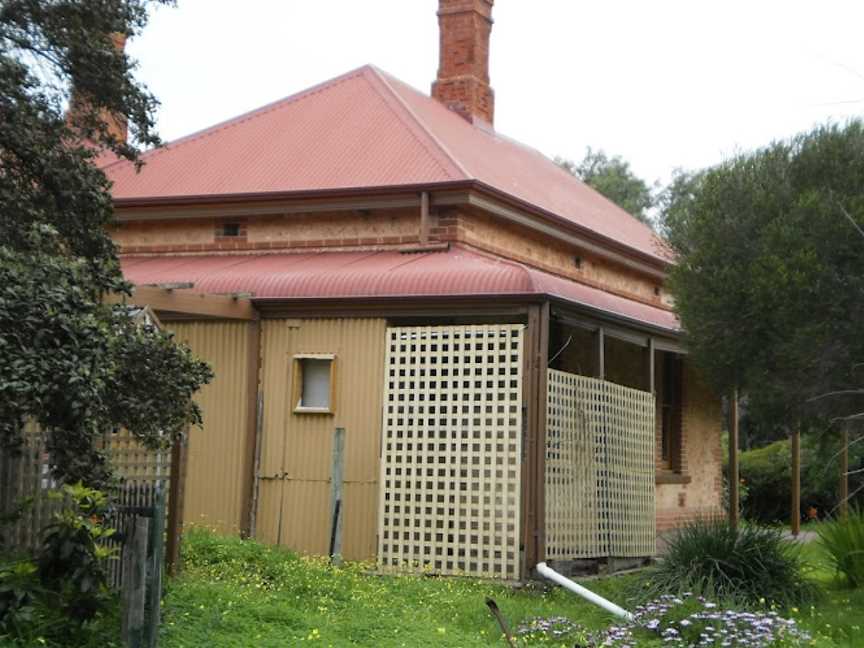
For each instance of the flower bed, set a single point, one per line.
(683, 621)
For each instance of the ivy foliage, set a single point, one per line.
(770, 275)
(73, 365)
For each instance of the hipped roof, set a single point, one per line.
(365, 130)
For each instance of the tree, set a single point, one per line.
(769, 280)
(612, 177)
(76, 367)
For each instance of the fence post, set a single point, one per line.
(156, 561)
(175, 506)
(134, 583)
(336, 513)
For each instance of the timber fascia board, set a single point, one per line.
(188, 304)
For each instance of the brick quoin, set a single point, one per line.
(463, 70)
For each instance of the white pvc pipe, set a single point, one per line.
(547, 572)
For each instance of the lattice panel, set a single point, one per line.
(451, 451)
(135, 463)
(599, 469)
(575, 509)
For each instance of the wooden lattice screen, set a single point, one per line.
(599, 469)
(451, 451)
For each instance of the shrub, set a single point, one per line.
(752, 565)
(766, 473)
(843, 540)
(64, 586)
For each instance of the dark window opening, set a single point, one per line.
(670, 401)
(229, 229)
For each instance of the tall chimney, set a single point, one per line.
(116, 125)
(463, 71)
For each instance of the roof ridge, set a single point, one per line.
(382, 77)
(251, 114)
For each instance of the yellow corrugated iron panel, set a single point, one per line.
(215, 478)
(297, 448)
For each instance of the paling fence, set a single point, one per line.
(600, 485)
(145, 481)
(139, 510)
(451, 450)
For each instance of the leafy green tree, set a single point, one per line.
(612, 177)
(76, 367)
(770, 275)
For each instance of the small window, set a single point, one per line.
(230, 230)
(313, 384)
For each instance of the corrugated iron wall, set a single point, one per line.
(215, 478)
(294, 490)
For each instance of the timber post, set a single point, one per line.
(536, 359)
(247, 519)
(796, 481)
(734, 497)
(844, 472)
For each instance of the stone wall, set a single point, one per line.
(699, 490)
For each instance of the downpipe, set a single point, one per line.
(550, 574)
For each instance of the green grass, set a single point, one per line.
(839, 614)
(235, 593)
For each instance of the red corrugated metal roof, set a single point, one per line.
(367, 129)
(458, 272)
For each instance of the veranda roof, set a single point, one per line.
(458, 272)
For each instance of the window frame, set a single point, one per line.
(297, 384)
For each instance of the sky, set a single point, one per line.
(665, 84)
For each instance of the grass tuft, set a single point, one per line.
(753, 565)
(843, 542)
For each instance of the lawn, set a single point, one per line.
(235, 593)
(839, 614)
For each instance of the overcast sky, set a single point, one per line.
(663, 83)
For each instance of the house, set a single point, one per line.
(432, 346)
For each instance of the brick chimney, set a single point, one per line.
(117, 126)
(463, 71)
